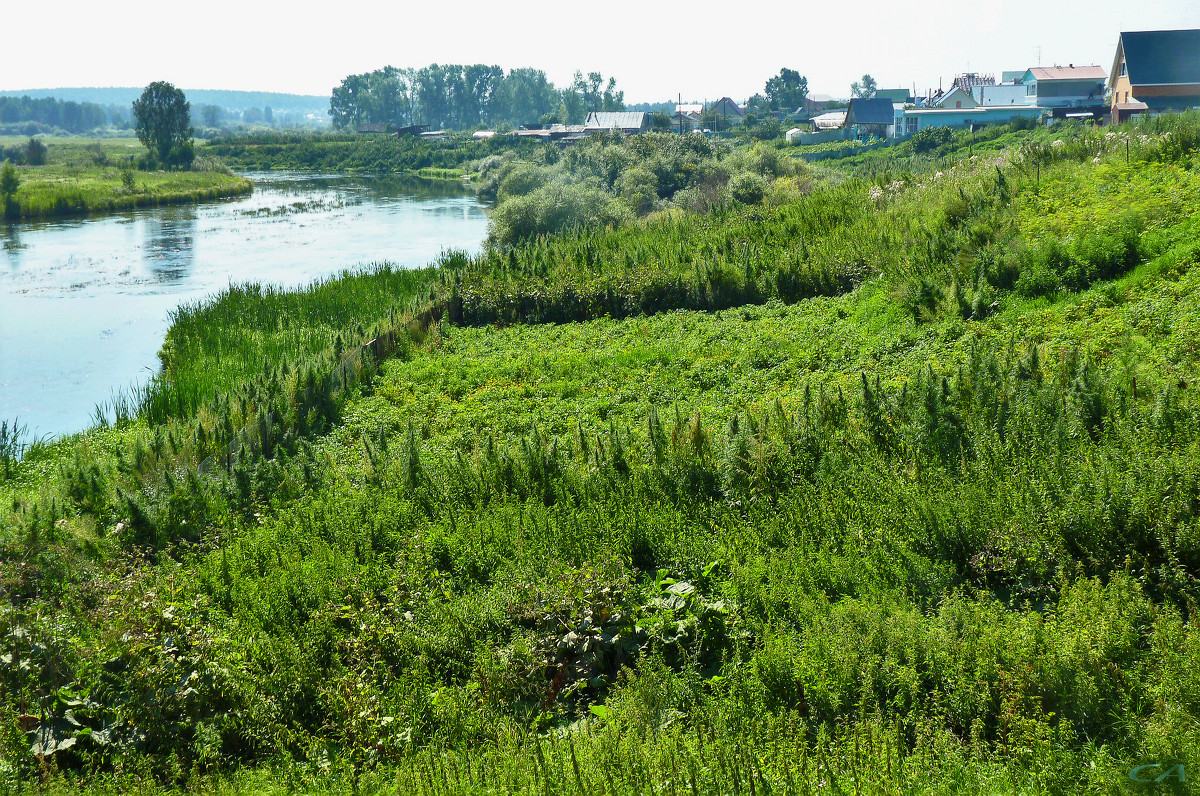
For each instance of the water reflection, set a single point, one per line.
(99, 291)
(10, 241)
(169, 249)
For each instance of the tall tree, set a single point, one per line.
(347, 105)
(865, 89)
(786, 91)
(211, 114)
(522, 97)
(164, 124)
(613, 100)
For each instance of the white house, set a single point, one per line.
(1004, 94)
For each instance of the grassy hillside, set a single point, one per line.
(878, 485)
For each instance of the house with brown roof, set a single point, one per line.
(1067, 90)
(1155, 71)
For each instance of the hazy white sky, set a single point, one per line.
(654, 50)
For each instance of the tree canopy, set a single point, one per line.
(461, 97)
(163, 121)
(74, 117)
(865, 89)
(787, 90)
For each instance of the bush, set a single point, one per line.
(521, 179)
(181, 156)
(639, 188)
(9, 181)
(748, 188)
(35, 153)
(930, 138)
(554, 208)
(765, 160)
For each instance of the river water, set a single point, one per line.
(84, 303)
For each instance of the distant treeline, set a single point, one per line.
(73, 117)
(229, 100)
(464, 97)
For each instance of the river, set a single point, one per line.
(84, 303)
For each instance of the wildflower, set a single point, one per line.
(1096, 160)
(875, 194)
(1058, 143)
(937, 175)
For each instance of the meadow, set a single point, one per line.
(884, 484)
(88, 175)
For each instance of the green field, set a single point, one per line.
(883, 484)
(87, 175)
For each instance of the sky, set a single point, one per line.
(656, 51)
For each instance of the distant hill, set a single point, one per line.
(229, 100)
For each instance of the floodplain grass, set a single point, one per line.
(934, 531)
(84, 176)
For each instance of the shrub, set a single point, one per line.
(765, 160)
(35, 153)
(522, 179)
(748, 188)
(9, 181)
(930, 138)
(639, 188)
(553, 208)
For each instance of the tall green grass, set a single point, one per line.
(926, 531)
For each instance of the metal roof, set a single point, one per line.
(1069, 72)
(870, 111)
(622, 120)
(727, 106)
(829, 120)
(1161, 57)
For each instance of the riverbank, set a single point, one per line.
(102, 287)
(895, 484)
(83, 176)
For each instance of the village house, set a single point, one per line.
(687, 116)
(896, 96)
(871, 117)
(957, 97)
(728, 110)
(969, 80)
(629, 122)
(1066, 91)
(1154, 71)
(817, 103)
(1002, 94)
